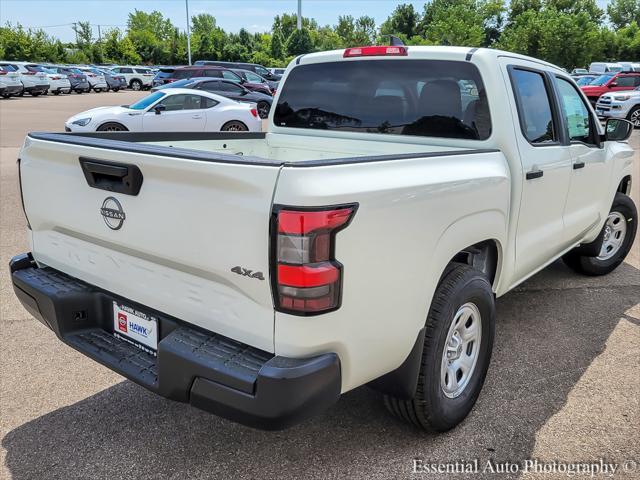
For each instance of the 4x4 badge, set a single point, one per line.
(248, 273)
(112, 213)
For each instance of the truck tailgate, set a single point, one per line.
(190, 224)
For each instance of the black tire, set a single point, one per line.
(234, 126)
(116, 90)
(6, 95)
(79, 92)
(56, 92)
(35, 94)
(135, 85)
(263, 109)
(634, 116)
(97, 90)
(589, 259)
(112, 127)
(87, 90)
(432, 409)
(21, 94)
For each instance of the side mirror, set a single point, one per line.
(159, 109)
(617, 130)
(613, 84)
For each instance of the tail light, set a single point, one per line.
(307, 279)
(2, 72)
(376, 51)
(56, 78)
(29, 73)
(91, 75)
(254, 112)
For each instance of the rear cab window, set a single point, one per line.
(431, 98)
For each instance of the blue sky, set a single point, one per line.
(255, 15)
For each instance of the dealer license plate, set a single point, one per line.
(135, 327)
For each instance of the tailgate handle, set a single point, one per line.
(112, 176)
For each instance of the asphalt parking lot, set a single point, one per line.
(563, 385)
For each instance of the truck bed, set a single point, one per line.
(250, 148)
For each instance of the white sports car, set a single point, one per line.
(171, 110)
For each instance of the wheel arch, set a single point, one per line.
(102, 124)
(625, 185)
(476, 240)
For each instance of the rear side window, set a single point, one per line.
(180, 74)
(534, 106)
(143, 70)
(126, 70)
(431, 98)
(212, 73)
(208, 102)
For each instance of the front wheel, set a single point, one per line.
(112, 127)
(234, 126)
(612, 245)
(456, 354)
(634, 116)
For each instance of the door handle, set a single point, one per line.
(196, 116)
(578, 165)
(112, 176)
(534, 174)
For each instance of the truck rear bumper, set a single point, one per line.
(209, 371)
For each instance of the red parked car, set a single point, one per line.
(173, 74)
(610, 82)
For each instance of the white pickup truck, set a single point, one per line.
(362, 240)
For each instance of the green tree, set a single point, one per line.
(624, 12)
(404, 20)
(299, 42)
(277, 45)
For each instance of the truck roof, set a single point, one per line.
(427, 52)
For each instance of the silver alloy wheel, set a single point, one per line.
(136, 85)
(234, 126)
(615, 229)
(635, 118)
(461, 351)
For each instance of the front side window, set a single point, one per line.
(143, 71)
(262, 71)
(534, 106)
(253, 78)
(182, 74)
(601, 80)
(211, 86)
(182, 101)
(229, 75)
(626, 81)
(430, 98)
(575, 112)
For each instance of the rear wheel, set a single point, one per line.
(612, 245)
(136, 85)
(112, 127)
(456, 353)
(234, 126)
(263, 109)
(634, 116)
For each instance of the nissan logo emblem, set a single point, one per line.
(112, 213)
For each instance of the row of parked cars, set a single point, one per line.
(18, 78)
(614, 92)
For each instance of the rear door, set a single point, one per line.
(183, 113)
(626, 82)
(546, 165)
(183, 235)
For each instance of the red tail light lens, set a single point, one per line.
(376, 51)
(254, 112)
(307, 277)
(2, 72)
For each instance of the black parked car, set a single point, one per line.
(114, 81)
(77, 78)
(252, 67)
(251, 77)
(225, 88)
